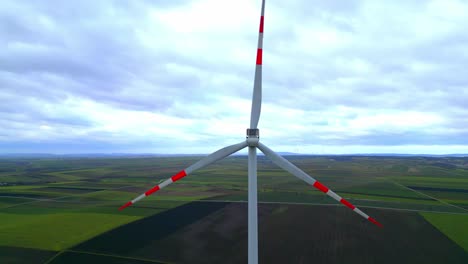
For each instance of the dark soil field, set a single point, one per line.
(18, 255)
(209, 232)
(141, 233)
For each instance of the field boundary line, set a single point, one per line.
(54, 256)
(36, 200)
(24, 197)
(444, 202)
(326, 204)
(116, 256)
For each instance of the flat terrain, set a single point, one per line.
(64, 210)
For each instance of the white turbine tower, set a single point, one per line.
(252, 142)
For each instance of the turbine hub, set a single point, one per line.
(253, 136)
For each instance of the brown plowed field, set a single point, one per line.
(207, 232)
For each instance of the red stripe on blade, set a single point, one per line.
(374, 221)
(178, 176)
(348, 204)
(152, 190)
(125, 205)
(320, 186)
(261, 24)
(259, 56)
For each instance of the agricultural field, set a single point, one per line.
(64, 210)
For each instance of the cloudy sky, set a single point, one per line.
(176, 76)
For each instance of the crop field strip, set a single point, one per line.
(219, 183)
(441, 201)
(332, 204)
(8, 195)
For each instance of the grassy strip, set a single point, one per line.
(447, 182)
(389, 199)
(8, 201)
(56, 231)
(453, 226)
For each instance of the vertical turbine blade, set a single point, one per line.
(222, 153)
(288, 166)
(257, 90)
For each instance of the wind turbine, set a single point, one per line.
(252, 142)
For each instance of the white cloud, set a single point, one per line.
(360, 76)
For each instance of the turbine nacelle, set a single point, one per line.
(253, 136)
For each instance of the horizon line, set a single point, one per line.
(286, 153)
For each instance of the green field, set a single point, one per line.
(454, 226)
(56, 231)
(51, 206)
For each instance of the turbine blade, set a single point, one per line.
(288, 166)
(257, 90)
(222, 153)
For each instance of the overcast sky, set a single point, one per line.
(177, 76)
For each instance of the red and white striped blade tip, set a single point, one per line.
(340, 199)
(125, 206)
(375, 222)
(156, 188)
